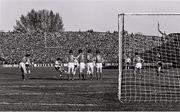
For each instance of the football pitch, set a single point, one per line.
(46, 91)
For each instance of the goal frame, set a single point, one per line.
(121, 17)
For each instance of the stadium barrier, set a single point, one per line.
(106, 65)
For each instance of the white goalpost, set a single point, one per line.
(149, 57)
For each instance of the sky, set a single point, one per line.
(99, 15)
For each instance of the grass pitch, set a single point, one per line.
(46, 91)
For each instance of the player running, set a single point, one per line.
(99, 61)
(70, 60)
(59, 66)
(90, 64)
(158, 64)
(82, 65)
(22, 66)
(138, 64)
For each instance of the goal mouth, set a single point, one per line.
(149, 57)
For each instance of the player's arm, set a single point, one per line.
(103, 60)
(161, 31)
(134, 60)
(77, 56)
(67, 59)
(142, 60)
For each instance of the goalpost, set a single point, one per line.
(154, 38)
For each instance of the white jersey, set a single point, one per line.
(57, 64)
(128, 60)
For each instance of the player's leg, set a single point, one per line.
(100, 72)
(82, 70)
(84, 73)
(58, 69)
(127, 65)
(135, 70)
(69, 71)
(92, 70)
(97, 71)
(72, 73)
(24, 72)
(88, 69)
(141, 75)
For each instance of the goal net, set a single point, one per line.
(149, 57)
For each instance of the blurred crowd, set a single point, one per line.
(46, 47)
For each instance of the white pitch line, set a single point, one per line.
(41, 86)
(46, 86)
(20, 93)
(47, 104)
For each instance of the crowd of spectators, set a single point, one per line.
(46, 47)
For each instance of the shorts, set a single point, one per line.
(70, 65)
(90, 65)
(98, 65)
(27, 65)
(76, 65)
(82, 65)
(138, 65)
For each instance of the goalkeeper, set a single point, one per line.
(158, 64)
(138, 64)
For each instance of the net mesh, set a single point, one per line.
(150, 57)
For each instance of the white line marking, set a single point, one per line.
(82, 93)
(41, 86)
(47, 104)
(47, 86)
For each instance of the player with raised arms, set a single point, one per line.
(90, 64)
(99, 61)
(82, 65)
(138, 64)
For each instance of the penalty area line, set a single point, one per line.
(46, 86)
(83, 93)
(46, 104)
